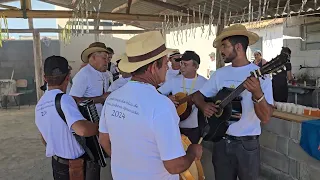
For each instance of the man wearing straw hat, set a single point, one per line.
(237, 154)
(139, 127)
(92, 81)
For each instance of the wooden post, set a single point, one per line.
(37, 55)
(219, 60)
(38, 66)
(96, 27)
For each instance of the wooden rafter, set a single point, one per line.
(102, 15)
(124, 6)
(129, 6)
(53, 30)
(8, 7)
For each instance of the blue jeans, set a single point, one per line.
(61, 171)
(236, 158)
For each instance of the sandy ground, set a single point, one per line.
(22, 155)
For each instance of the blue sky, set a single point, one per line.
(20, 23)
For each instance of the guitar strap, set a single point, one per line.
(80, 140)
(192, 85)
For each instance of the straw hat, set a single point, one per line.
(94, 47)
(143, 49)
(235, 30)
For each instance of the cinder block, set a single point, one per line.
(294, 170)
(297, 153)
(271, 173)
(295, 132)
(278, 126)
(282, 145)
(275, 159)
(308, 172)
(268, 139)
(268, 172)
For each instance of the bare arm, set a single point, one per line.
(181, 164)
(208, 109)
(96, 100)
(85, 128)
(105, 142)
(263, 109)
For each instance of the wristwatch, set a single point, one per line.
(257, 100)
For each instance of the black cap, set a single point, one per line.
(190, 55)
(56, 66)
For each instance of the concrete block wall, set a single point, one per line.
(292, 38)
(282, 158)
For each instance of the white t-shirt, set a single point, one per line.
(89, 82)
(175, 85)
(231, 77)
(57, 134)
(118, 83)
(144, 132)
(171, 74)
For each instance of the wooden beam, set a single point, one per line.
(38, 66)
(52, 30)
(102, 15)
(96, 27)
(8, 7)
(219, 59)
(129, 6)
(68, 14)
(123, 6)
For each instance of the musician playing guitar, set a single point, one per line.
(237, 154)
(69, 159)
(188, 82)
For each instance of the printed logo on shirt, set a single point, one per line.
(121, 107)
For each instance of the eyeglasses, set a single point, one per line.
(184, 64)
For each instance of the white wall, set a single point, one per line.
(272, 40)
(198, 42)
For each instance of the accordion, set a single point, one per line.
(89, 111)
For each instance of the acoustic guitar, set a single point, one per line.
(219, 121)
(184, 108)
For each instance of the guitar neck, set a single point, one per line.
(232, 95)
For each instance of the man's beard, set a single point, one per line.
(231, 57)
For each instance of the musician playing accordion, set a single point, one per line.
(69, 160)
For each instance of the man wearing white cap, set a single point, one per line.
(237, 152)
(174, 68)
(139, 127)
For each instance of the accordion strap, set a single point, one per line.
(80, 140)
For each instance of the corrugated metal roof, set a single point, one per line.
(239, 9)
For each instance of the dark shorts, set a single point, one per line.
(236, 158)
